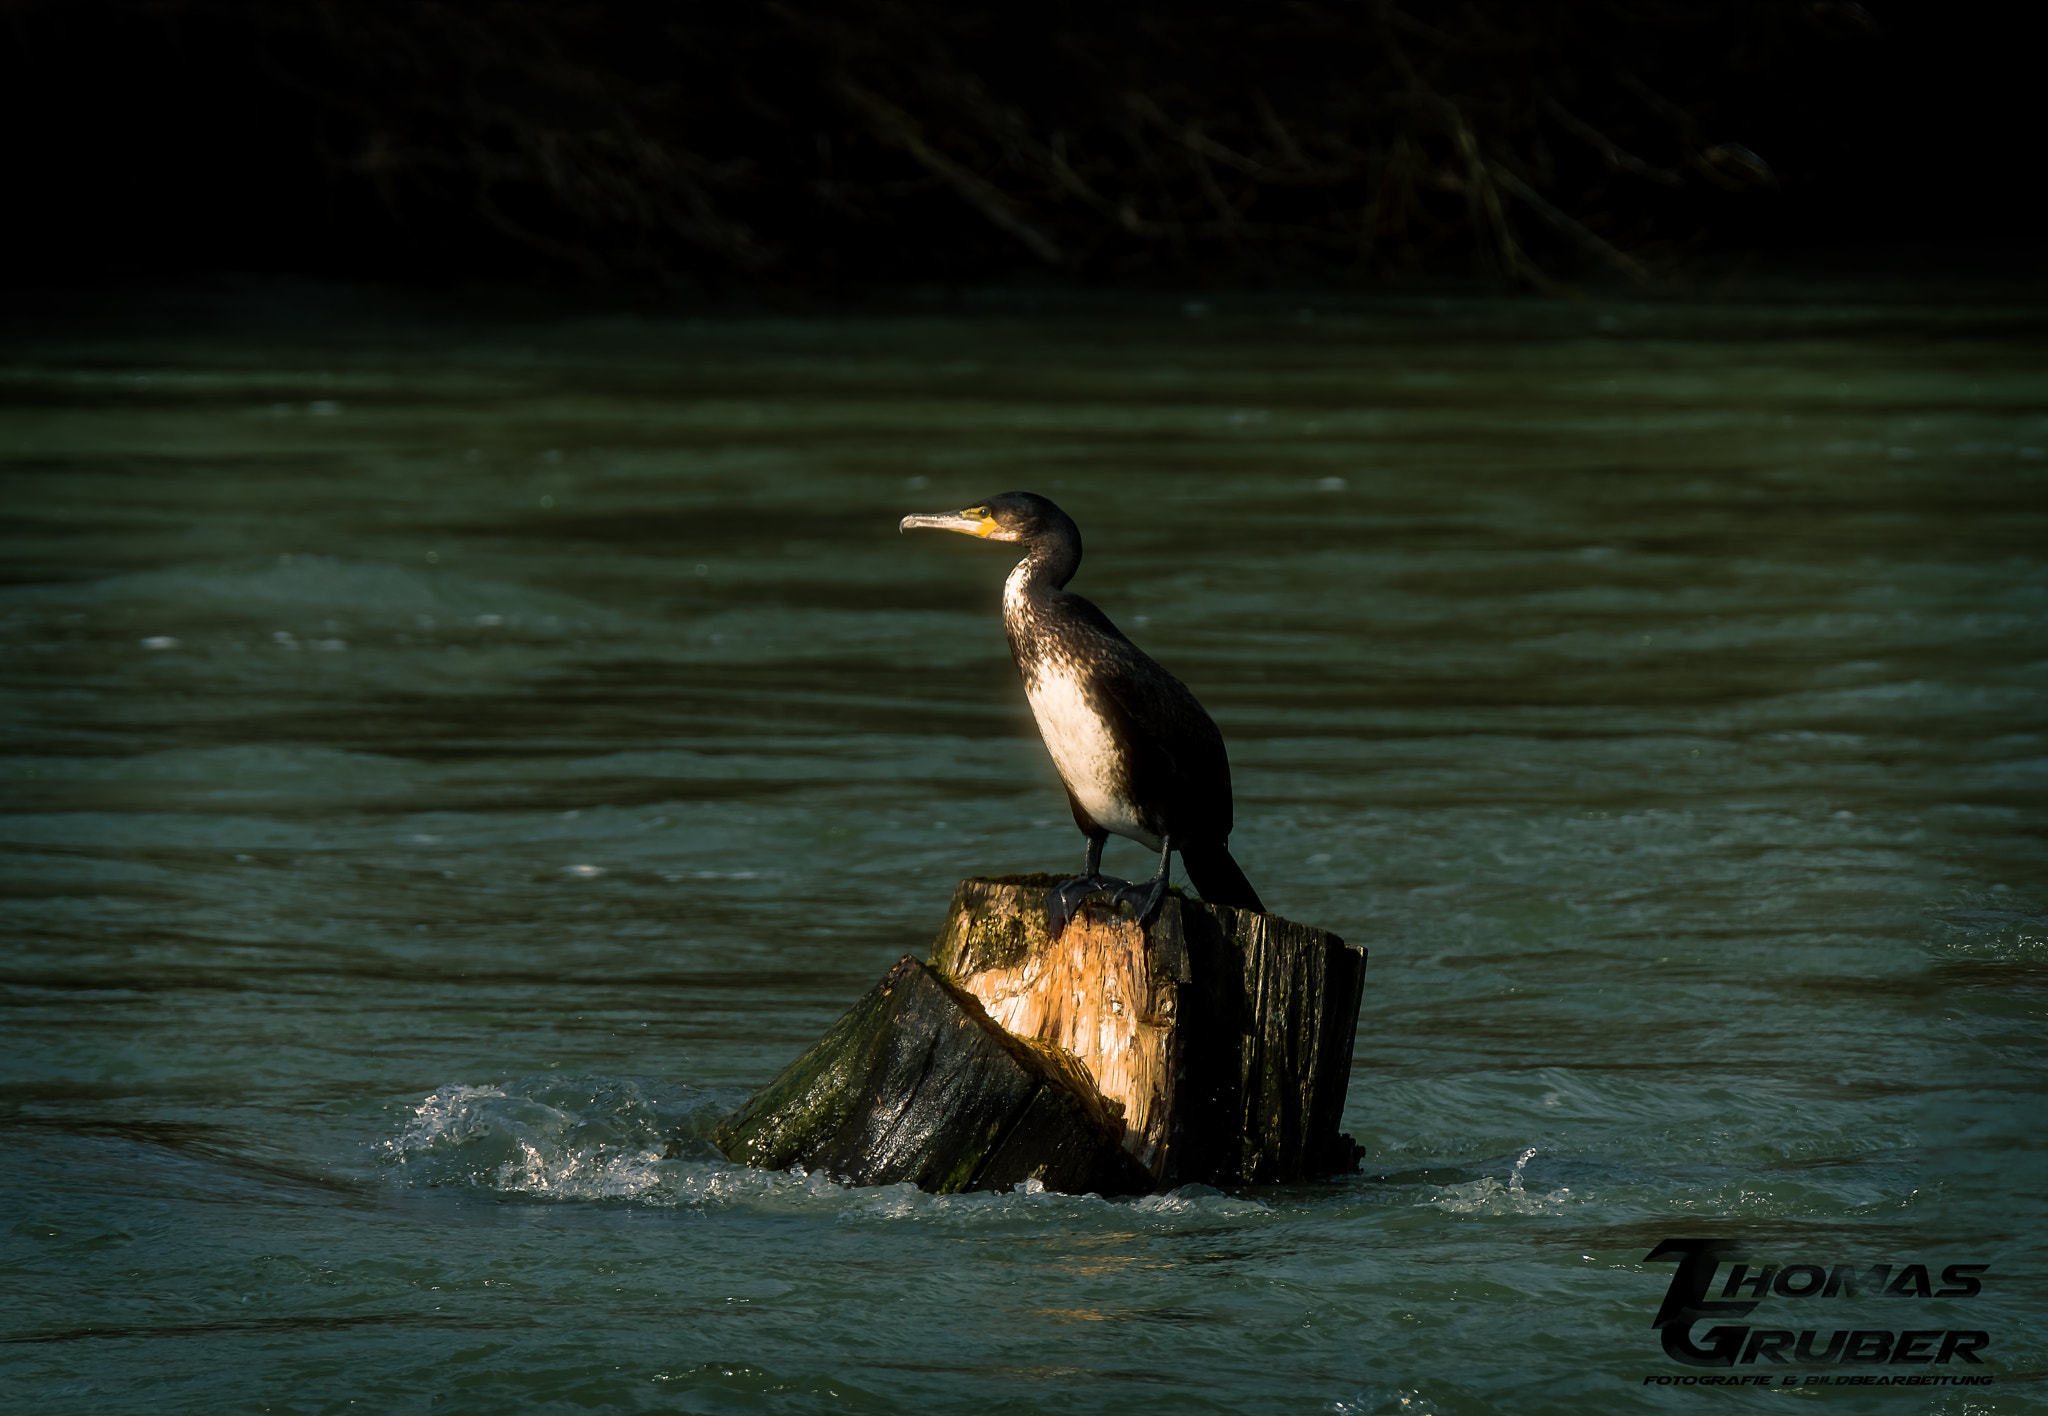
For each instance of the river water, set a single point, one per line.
(452, 757)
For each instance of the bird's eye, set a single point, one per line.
(975, 511)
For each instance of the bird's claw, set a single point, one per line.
(1143, 897)
(1065, 899)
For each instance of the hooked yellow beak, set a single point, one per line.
(975, 521)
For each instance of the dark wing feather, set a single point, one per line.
(1178, 771)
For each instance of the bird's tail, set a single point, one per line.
(1216, 877)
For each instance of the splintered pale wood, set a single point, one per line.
(1223, 1036)
(917, 1083)
(1106, 994)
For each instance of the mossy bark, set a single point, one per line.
(917, 1083)
(1212, 1044)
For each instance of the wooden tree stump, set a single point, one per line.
(916, 1083)
(1212, 1045)
(1224, 1036)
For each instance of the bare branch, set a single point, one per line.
(796, 136)
(1528, 195)
(893, 125)
(1612, 153)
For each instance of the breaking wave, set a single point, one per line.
(556, 1137)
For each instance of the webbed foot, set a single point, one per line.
(1064, 900)
(1143, 897)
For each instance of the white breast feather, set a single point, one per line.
(1083, 751)
(1079, 741)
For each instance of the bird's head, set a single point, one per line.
(1013, 516)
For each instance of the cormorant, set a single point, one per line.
(1137, 753)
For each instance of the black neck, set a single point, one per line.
(1053, 555)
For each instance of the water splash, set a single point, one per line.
(559, 1137)
(1487, 1195)
(553, 1136)
(1374, 1401)
(1205, 1201)
(1995, 924)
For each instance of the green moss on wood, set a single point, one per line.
(917, 1082)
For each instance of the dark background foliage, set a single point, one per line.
(797, 144)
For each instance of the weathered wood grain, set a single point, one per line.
(1223, 1036)
(917, 1083)
(1213, 1044)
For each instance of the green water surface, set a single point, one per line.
(448, 755)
